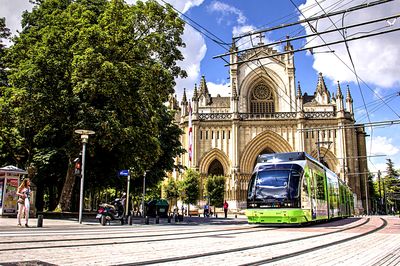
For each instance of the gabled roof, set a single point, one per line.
(13, 169)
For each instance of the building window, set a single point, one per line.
(217, 134)
(201, 134)
(212, 134)
(262, 100)
(223, 134)
(207, 134)
(229, 134)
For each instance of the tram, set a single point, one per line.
(294, 188)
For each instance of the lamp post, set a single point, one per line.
(144, 194)
(84, 136)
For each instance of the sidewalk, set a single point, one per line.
(10, 223)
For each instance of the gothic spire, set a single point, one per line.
(184, 99)
(234, 92)
(195, 92)
(289, 46)
(203, 86)
(321, 87)
(348, 95)
(298, 90)
(339, 94)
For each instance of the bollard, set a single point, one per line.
(146, 220)
(157, 219)
(169, 219)
(130, 219)
(40, 220)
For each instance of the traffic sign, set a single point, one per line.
(124, 173)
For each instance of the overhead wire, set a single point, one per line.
(221, 43)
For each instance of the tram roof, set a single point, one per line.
(282, 157)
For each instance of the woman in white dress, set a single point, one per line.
(24, 196)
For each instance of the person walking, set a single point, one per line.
(226, 205)
(24, 197)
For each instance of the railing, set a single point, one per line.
(215, 116)
(316, 115)
(256, 116)
(280, 115)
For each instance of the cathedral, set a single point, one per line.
(267, 113)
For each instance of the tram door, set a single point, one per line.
(313, 195)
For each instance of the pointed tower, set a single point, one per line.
(322, 95)
(234, 100)
(349, 101)
(299, 98)
(204, 96)
(195, 100)
(290, 72)
(184, 104)
(339, 101)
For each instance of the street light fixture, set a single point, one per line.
(84, 136)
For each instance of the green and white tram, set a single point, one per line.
(294, 188)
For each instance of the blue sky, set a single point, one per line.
(376, 59)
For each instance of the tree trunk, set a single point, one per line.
(66, 193)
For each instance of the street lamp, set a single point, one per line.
(144, 194)
(84, 136)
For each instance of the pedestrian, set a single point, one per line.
(24, 197)
(206, 210)
(226, 205)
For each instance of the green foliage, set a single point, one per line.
(191, 187)
(95, 64)
(171, 189)
(4, 35)
(215, 187)
(392, 184)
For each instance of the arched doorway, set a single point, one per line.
(216, 168)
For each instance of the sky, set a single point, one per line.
(369, 66)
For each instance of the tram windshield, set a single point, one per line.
(275, 187)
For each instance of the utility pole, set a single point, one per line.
(380, 193)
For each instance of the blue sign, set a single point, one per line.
(124, 173)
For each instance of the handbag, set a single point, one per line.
(21, 200)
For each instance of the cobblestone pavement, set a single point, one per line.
(369, 240)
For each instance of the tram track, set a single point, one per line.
(117, 239)
(239, 249)
(305, 251)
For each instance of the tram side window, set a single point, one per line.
(320, 186)
(251, 186)
(294, 184)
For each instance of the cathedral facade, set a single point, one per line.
(267, 113)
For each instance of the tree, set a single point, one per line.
(171, 190)
(392, 187)
(4, 35)
(215, 187)
(102, 65)
(191, 187)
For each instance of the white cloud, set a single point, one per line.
(12, 10)
(222, 89)
(382, 145)
(184, 6)
(193, 53)
(376, 59)
(227, 11)
(374, 167)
